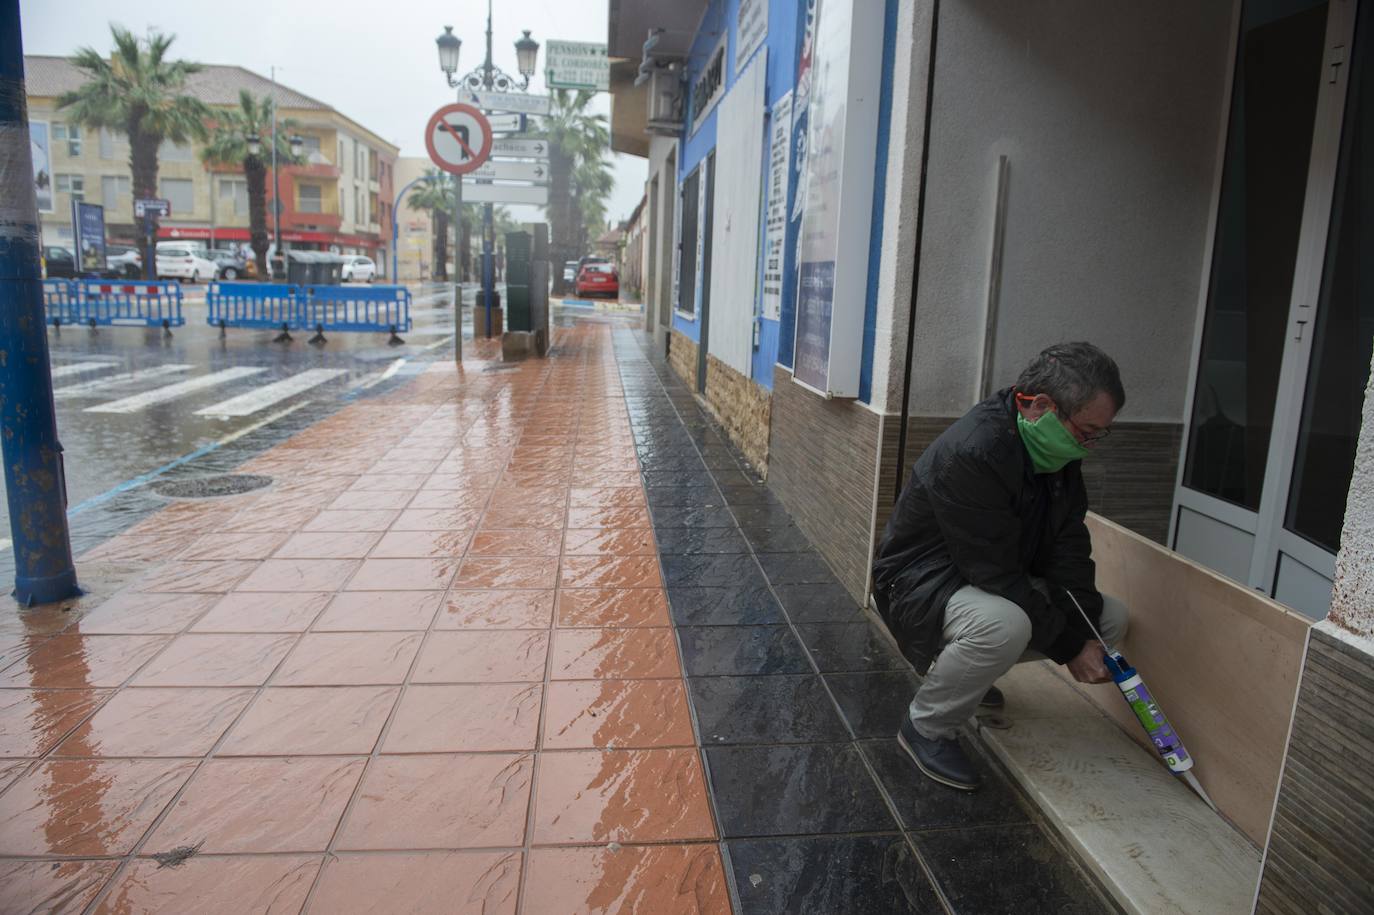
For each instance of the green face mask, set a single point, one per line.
(1050, 445)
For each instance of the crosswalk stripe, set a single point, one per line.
(137, 402)
(76, 368)
(100, 385)
(265, 396)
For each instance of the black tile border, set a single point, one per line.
(766, 528)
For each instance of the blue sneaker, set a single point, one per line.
(942, 760)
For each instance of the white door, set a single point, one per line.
(1288, 324)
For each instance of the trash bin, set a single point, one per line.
(300, 267)
(327, 269)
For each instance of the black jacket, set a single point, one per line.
(975, 512)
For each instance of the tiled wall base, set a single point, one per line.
(682, 356)
(742, 407)
(822, 457)
(1318, 854)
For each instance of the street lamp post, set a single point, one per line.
(487, 77)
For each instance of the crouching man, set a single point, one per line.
(985, 545)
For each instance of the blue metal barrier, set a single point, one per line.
(59, 301)
(151, 304)
(273, 305)
(385, 308)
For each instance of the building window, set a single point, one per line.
(72, 134)
(372, 207)
(106, 143)
(340, 161)
(114, 193)
(233, 192)
(309, 199)
(358, 206)
(72, 184)
(180, 193)
(372, 164)
(175, 152)
(311, 147)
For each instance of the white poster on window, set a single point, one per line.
(832, 269)
(775, 222)
(751, 29)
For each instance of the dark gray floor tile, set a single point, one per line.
(926, 804)
(778, 709)
(740, 650)
(850, 647)
(688, 516)
(818, 603)
(1005, 869)
(873, 703)
(815, 874)
(689, 496)
(762, 515)
(696, 606)
(700, 540)
(794, 790)
(728, 476)
(678, 478)
(712, 570)
(747, 494)
(786, 539)
(670, 462)
(797, 569)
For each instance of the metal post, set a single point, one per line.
(488, 262)
(276, 187)
(28, 421)
(458, 272)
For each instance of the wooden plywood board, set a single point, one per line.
(1222, 660)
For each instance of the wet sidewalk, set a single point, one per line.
(529, 639)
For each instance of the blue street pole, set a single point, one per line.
(34, 483)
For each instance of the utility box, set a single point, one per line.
(519, 247)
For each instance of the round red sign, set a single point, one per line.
(458, 138)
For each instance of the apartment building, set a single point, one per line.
(339, 199)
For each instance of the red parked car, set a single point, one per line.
(597, 279)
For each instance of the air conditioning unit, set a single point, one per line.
(664, 104)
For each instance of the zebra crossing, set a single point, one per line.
(159, 384)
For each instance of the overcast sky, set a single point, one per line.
(373, 61)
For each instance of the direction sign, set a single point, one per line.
(458, 138)
(517, 102)
(536, 148)
(508, 123)
(577, 65)
(512, 170)
(152, 206)
(531, 194)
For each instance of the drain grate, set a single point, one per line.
(225, 484)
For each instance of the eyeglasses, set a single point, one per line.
(1086, 437)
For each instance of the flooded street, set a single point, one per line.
(135, 406)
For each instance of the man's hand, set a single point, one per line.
(1088, 666)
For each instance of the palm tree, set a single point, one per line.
(229, 145)
(143, 94)
(577, 138)
(593, 183)
(435, 195)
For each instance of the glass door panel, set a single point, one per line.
(1259, 219)
(1344, 335)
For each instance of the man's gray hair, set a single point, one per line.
(1072, 374)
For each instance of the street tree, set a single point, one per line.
(229, 145)
(141, 93)
(577, 138)
(434, 195)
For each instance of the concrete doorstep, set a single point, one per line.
(1155, 847)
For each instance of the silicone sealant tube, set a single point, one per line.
(1150, 715)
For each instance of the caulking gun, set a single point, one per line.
(1161, 733)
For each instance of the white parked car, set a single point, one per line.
(358, 269)
(184, 262)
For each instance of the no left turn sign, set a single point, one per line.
(458, 138)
